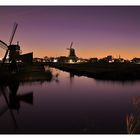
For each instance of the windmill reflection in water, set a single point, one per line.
(13, 100)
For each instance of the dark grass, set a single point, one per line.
(34, 72)
(103, 71)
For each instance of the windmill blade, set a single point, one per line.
(13, 33)
(11, 112)
(4, 94)
(3, 61)
(13, 87)
(14, 119)
(3, 110)
(3, 45)
(71, 44)
(28, 97)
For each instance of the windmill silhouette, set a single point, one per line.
(13, 100)
(14, 52)
(12, 49)
(72, 56)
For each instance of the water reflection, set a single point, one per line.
(13, 99)
(71, 78)
(54, 72)
(88, 106)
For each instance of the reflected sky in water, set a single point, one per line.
(72, 104)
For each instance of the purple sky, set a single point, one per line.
(95, 31)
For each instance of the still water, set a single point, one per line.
(68, 104)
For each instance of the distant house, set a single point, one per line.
(119, 60)
(26, 58)
(108, 59)
(37, 59)
(63, 59)
(46, 59)
(136, 60)
(93, 60)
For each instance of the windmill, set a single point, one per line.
(70, 46)
(72, 56)
(13, 49)
(14, 52)
(13, 99)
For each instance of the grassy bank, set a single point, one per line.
(114, 71)
(35, 72)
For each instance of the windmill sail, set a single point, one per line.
(3, 45)
(13, 33)
(27, 97)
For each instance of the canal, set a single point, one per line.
(68, 104)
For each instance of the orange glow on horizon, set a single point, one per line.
(50, 50)
(86, 53)
(94, 31)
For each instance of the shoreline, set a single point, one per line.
(114, 72)
(29, 73)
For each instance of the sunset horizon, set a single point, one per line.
(97, 31)
(70, 70)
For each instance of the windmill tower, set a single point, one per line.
(72, 56)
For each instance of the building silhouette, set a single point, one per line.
(72, 55)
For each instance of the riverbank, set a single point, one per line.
(34, 72)
(108, 71)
